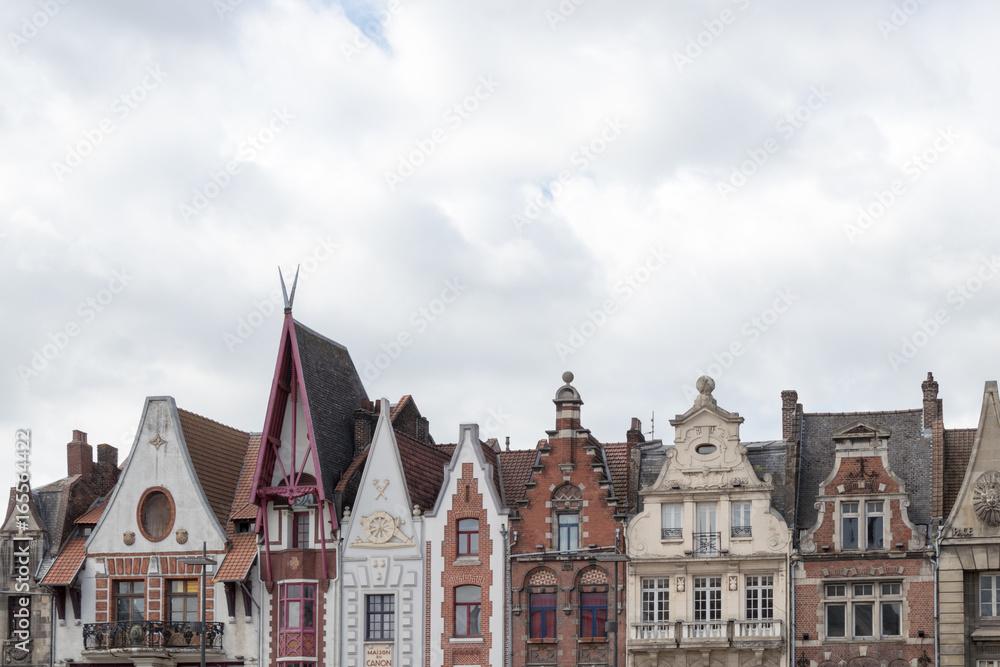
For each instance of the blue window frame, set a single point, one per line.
(593, 614)
(543, 615)
(569, 532)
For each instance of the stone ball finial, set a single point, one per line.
(567, 377)
(705, 385)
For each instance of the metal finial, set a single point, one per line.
(284, 292)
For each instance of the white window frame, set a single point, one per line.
(759, 597)
(672, 519)
(741, 513)
(865, 510)
(655, 600)
(853, 595)
(709, 589)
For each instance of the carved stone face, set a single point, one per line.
(986, 498)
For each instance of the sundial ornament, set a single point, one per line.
(986, 498)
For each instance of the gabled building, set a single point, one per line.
(969, 541)
(127, 582)
(465, 559)
(39, 524)
(568, 546)
(306, 446)
(709, 552)
(383, 570)
(864, 575)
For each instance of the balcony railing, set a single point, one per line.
(672, 533)
(150, 634)
(706, 630)
(706, 544)
(768, 629)
(662, 630)
(741, 531)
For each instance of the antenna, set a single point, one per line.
(284, 292)
(652, 425)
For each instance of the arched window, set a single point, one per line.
(468, 608)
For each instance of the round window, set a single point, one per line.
(705, 449)
(156, 514)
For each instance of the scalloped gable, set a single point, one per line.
(979, 491)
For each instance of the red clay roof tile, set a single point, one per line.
(238, 559)
(217, 452)
(68, 563)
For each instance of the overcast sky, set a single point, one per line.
(789, 195)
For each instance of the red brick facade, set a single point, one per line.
(136, 566)
(569, 479)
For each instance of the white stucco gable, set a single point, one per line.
(159, 459)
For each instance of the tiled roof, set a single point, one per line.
(423, 466)
(957, 450)
(64, 569)
(239, 558)
(243, 509)
(334, 391)
(617, 459)
(909, 457)
(93, 515)
(398, 407)
(217, 453)
(770, 457)
(515, 469)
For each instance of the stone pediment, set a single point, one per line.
(862, 430)
(740, 475)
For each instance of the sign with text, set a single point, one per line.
(378, 655)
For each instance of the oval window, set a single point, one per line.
(156, 515)
(705, 449)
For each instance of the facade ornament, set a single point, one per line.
(157, 441)
(128, 538)
(380, 485)
(181, 536)
(986, 498)
(381, 528)
(705, 386)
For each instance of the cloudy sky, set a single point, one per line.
(482, 195)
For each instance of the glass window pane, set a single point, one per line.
(474, 612)
(294, 616)
(875, 536)
(850, 537)
(863, 626)
(890, 618)
(835, 620)
(467, 594)
(461, 621)
(474, 543)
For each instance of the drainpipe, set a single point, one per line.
(791, 609)
(338, 591)
(262, 634)
(937, 611)
(504, 534)
(509, 575)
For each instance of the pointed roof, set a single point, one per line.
(217, 453)
(243, 509)
(515, 470)
(238, 559)
(982, 464)
(65, 567)
(485, 456)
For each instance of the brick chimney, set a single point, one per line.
(789, 414)
(79, 455)
(634, 434)
(934, 427)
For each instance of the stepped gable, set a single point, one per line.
(217, 452)
(771, 456)
(515, 470)
(909, 455)
(333, 392)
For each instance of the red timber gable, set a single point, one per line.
(567, 575)
(307, 429)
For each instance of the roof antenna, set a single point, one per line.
(284, 292)
(652, 425)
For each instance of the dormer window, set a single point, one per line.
(849, 525)
(873, 519)
(873, 516)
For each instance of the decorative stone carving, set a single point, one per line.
(181, 536)
(128, 538)
(157, 441)
(380, 485)
(382, 530)
(986, 498)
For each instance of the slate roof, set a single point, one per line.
(243, 509)
(65, 567)
(957, 450)
(771, 457)
(652, 456)
(217, 452)
(909, 458)
(334, 391)
(515, 469)
(238, 559)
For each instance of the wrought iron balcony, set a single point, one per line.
(741, 531)
(672, 533)
(706, 544)
(150, 634)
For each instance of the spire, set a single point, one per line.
(284, 292)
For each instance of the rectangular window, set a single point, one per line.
(865, 610)
(300, 530)
(14, 606)
(130, 600)
(569, 532)
(760, 597)
(655, 600)
(672, 525)
(849, 525)
(593, 614)
(989, 587)
(543, 615)
(468, 537)
(707, 598)
(380, 613)
(468, 609)
(875, 538)
(298, 605)
(182, 600)
(741, 520)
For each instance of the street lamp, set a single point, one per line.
(204, 561)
